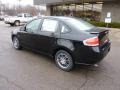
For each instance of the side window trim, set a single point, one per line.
(40, 28)
(63, 24)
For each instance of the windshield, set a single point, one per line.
(80, 24)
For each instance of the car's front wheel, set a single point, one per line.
(64, 60)
(16, 43)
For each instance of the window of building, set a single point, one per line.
(88, 11)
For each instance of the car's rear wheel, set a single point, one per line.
(16, 43)
(17, 23)
(64, 60)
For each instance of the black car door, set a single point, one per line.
(48, 36)
(27, 36)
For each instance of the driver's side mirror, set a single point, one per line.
(23, 28)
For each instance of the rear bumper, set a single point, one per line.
(93, 55)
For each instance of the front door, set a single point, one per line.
(31, 30)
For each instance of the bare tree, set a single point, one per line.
(15, 9)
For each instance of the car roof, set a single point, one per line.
(60, 17)
(63, 18)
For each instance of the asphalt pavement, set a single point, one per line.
(27, 70)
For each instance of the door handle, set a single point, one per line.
(52, 35)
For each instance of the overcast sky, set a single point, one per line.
(23, 2)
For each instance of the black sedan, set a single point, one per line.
(68, 40)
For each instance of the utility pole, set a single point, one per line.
(0, 7)
(19, 5)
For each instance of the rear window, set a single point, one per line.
(80, 24)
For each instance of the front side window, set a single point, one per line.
(49, 25)
(33, 26)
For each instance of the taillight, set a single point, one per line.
(91, 41)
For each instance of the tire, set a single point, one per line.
(16, 43)
(64, 60)
(17, 23)
(11, 24)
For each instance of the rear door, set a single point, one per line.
(48, 36)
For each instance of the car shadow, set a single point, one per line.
(102, 67)
(78, 67)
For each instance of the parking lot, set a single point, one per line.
(27, 70)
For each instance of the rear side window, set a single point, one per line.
(50, 25)
(64, 29)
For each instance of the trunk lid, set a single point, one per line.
(102, 34)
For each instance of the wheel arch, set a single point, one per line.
(16, 20)
(61, 48)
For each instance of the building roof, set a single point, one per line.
(52, 2)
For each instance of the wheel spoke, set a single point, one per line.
(63, 60)
(16, 43)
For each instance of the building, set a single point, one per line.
(89, 9)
